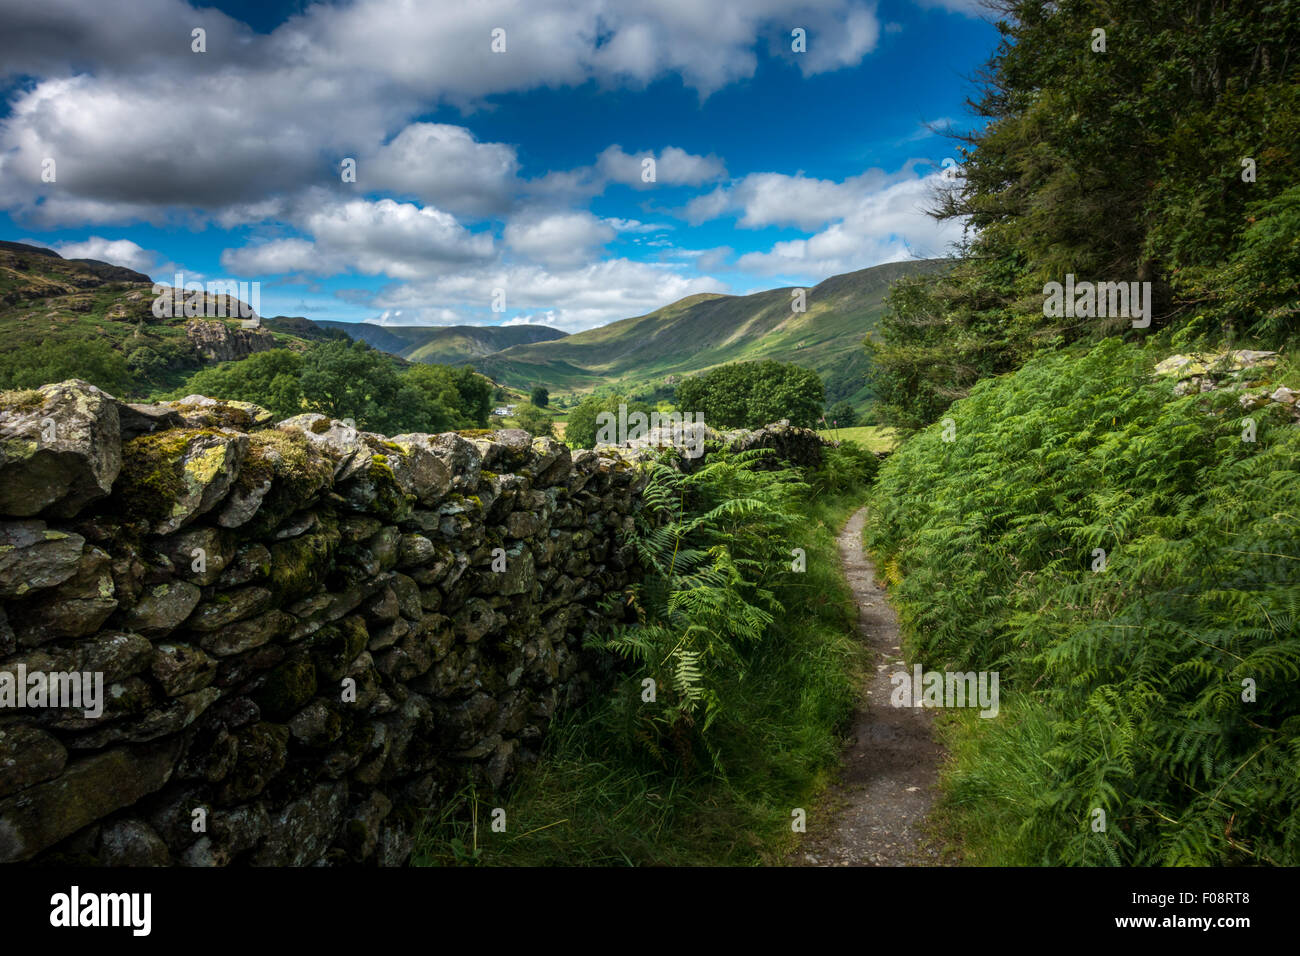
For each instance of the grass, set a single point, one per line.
(590, 802)
(871, 437)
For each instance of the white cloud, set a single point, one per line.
(144, 129)
(385, 237)
(672, 167)
(446, 166)
(887, 224)
(971, 8)
(119, 252)
(563, 239)
(572, 300)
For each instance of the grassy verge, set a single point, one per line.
(592, 800)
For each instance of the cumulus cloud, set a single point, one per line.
(142, 128)
(446, 166)
(384, 237)
(572, 299)
(777, 199)
(887, 224)
(672, 167)
(119, 252)
(559, 239)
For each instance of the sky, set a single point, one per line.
(567, 162)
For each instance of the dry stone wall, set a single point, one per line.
(307, 635)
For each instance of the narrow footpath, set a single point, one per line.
(874, 814)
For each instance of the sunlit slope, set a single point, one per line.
(702, 331)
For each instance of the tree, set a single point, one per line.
(270, 379)
(55, 360)
(534, 421)
(541, 397)
(842, 415)
(352, 380)
(1149, 162)
(583, 426)
(753, 394)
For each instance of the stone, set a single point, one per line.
(208, 548)
(28, 756)
(316, 725)
(246, 635)
(199, 411)
(462, 459)
(76, 607)
(87, 790)
(230, 606)
(116, 654)
(172, 477)
(33, 557)
(361, 831)
(60, 449)
(303, 830)
(131, 842)
(182, 668)
(420, 471)
(162, 608)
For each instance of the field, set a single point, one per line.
(873, 437)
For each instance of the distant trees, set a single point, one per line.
(345, 379)
(540, 396)
(582, 428)
(270, 379)
(534, 421)
(54, 360)
(753, 394)
(842, 415)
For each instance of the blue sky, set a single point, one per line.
(483, 176)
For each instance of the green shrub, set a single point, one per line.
(1124, 681)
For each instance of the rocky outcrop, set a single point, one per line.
(215, 341)
(307, 635)
(1243, 370)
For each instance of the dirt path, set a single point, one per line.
(873, 815)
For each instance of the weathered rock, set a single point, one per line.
(199, 411)
(28, 756)
(182, 668)
(303, 830)
(229, 607)
(217, 342)
(132, 842)
(162, 608)
(246, 635)
(198, 554)
(60, 449)
(172, 477)
(420, 471)
(74, 608)
(87, 789)
(33, 556)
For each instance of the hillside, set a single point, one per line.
(702, 331)
(63, 318)
(444, 344)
